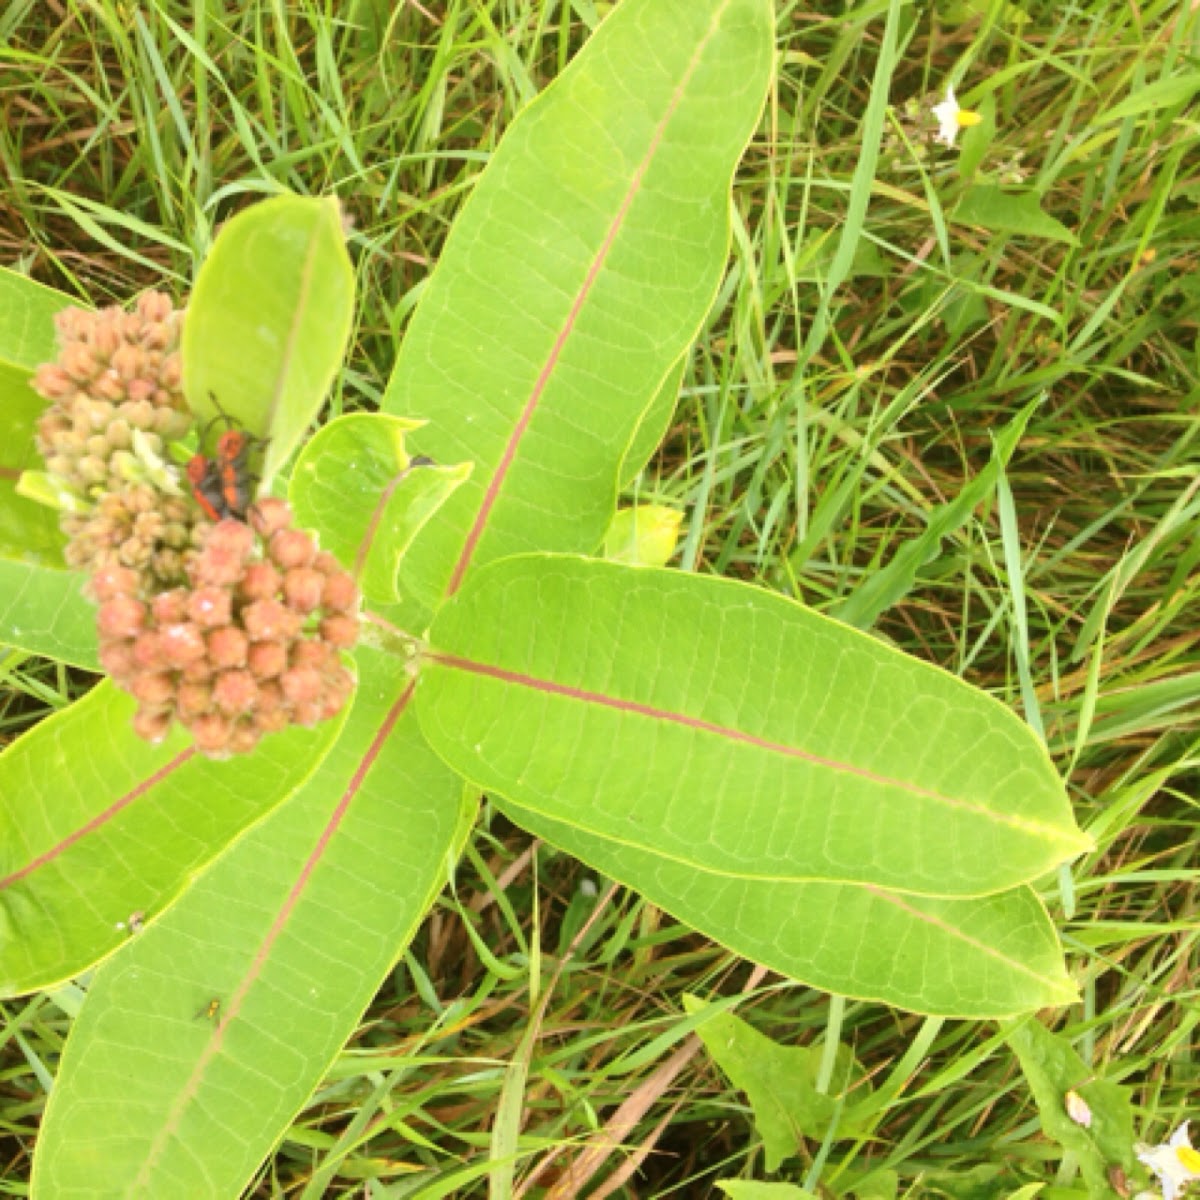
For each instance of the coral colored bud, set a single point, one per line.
(52, 382)
(127, 361)
(116, 657)
(340, 630)
(212, 732)
(326, 563)
(235, 692)
(301, 685)
(230, 537)
(271, 721)
(292, 548)
(169, 608)
(269, 515)
(270, 699)
(194, 698)
(341, 593)
(302, 588)
(217, 567)
(152, 724)
(120, 617)
(260, 582)
(266, 620)
(147, 652)
(181, 644)
(311, 653)
(112, 581)
(156, 688)
(266, 659)
(245, 737)
(199, 671)
(307, 713)
(227, 647)
(210, 607)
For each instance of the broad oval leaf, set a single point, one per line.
(735, 731)
(27, 311)
(575, 278)
(28, 531)
(976, 957)
(268, 320)
(96, 824)
(44, 611)
(355, 483)
(291, 931)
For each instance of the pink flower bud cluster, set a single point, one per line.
(115, 404)
(251, 646)
(117, 373)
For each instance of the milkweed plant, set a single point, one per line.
(322, 647)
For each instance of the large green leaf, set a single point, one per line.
(575, 278)
(28, 531)
(96, 824)
(268, 320)
(989, 956)
(356, 482)
(44, 611)
(292, 931)
(27, 310)
(735, 731)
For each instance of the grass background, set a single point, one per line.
(803, 461)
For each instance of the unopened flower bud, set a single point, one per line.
(194, 697)
(311, 653)
(152, 724)
(116, 657)
(210, 607)
(291, 548)
(147, 651)
(269, 515)
(260, 582)
(267, 659)
(301, 685)
(302, 588)
(244, 738)
(267, 620)
(112, 581)
(120, 617)
(156, 688)
(227, 647)
(170, 608)
(340, 593)
(235, 692)
(211, 732)
(182, 643)
(340, 630)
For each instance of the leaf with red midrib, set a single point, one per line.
(290, 933)
(735, 731)
(101, 825)
(575, 278)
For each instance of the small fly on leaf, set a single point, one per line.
(211, 1011)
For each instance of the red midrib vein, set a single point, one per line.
(229, 1011)
(737, 736)
(100, 819)
(514, 441)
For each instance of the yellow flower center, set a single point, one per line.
(966, 118)
(1189, 1158)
